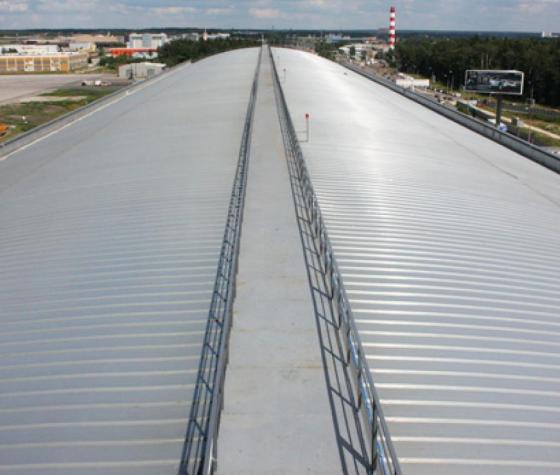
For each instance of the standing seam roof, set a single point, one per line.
(449, 249)
(111, 232)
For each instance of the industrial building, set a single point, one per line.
(214, 36)
(145, 53)
(318, 276)
(29, 49)
(88, 46)
(99, 40)
(146, 40)
(63, 62)
(410, 82)
(140, 70)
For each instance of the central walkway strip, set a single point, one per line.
(362, 433)
(276, 416)
(199, 452)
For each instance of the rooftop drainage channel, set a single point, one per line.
(363, 437)
(199, 451)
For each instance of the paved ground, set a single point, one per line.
(16, 87)
(276, 417)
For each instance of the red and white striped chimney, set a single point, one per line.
(393, 28)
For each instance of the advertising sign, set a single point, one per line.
(494, 82)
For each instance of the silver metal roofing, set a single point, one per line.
(110, 235)
(276, 417)
(449, 245)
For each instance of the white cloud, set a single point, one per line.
(537, 6)
(265, 12)
(66, 6)
(9, 6)
(219, 11)
(516, 15)
(172, 10)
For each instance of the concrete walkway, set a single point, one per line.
(276, 417)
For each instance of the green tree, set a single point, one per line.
(448, 58)
(178, 51)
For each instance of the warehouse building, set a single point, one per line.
(88, 46)
(146, 40)
(29, 49)
(396, 306)
(42, 63)
(140, 70)
(99, 40)
(144, 53)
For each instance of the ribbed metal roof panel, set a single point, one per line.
(449, 245)
(111, 232)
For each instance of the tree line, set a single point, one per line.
(448, 59)
(178, 51)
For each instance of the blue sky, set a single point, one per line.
(518, 15)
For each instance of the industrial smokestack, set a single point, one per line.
(393, 28)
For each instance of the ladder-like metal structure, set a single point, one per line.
(381, 452)
(200, 449)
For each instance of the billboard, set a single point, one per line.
(494, 82)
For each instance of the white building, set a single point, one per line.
(44, 62)
(187, 36)
(214, 36)
(218, 36)
(29, 49)
(358, 47)
(410, 82)
(140, 70)
(146, 40)
(82, 46)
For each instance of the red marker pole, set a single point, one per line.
(307, 125)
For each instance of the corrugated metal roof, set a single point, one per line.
(449, 245)
(111, 232)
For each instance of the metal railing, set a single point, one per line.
(200, 448)
(382, 455)
(533, 152)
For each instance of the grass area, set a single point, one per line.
(25, 116)
(534, 137)
(90, 92)
(553, 127)
(549, 126)
(524, 133)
